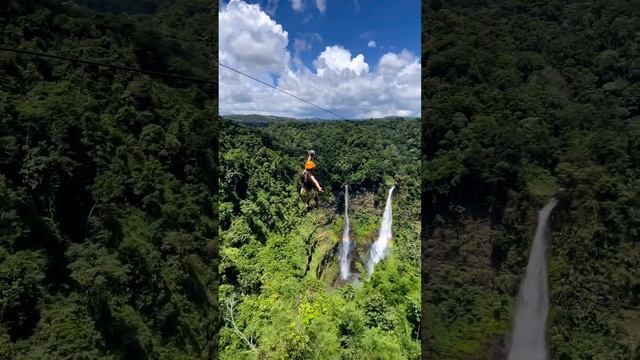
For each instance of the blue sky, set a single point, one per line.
(386, 33)
(393, 25)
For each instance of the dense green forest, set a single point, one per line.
(107, 182)
(256, 120)
(280, 294)
(525, 101)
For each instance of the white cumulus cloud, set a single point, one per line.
(393, 63)
(371, 44)
(338, 80)
(337, 58)
(250, 40)
(321, 5)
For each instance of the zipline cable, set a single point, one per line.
(277, 88)
(119, 67)
(159, 73)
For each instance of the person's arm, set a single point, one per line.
(313, 178)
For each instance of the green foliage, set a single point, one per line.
(529, 101)
(281, 295)
(355, 152)
(20, 276)
(6, 347)
(108, 185)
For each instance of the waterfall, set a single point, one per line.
(378, 249)
(528, 338)
(345, 265)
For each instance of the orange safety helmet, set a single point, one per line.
(309, 165)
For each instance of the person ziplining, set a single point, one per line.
(310, 185)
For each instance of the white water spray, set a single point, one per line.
(378, 249)
(528, 339)
(345, 264)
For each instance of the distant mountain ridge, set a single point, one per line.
(257, 120)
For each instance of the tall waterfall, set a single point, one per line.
(528, 338)
(378, 249)
(345, 263)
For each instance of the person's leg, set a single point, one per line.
(305, 197)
